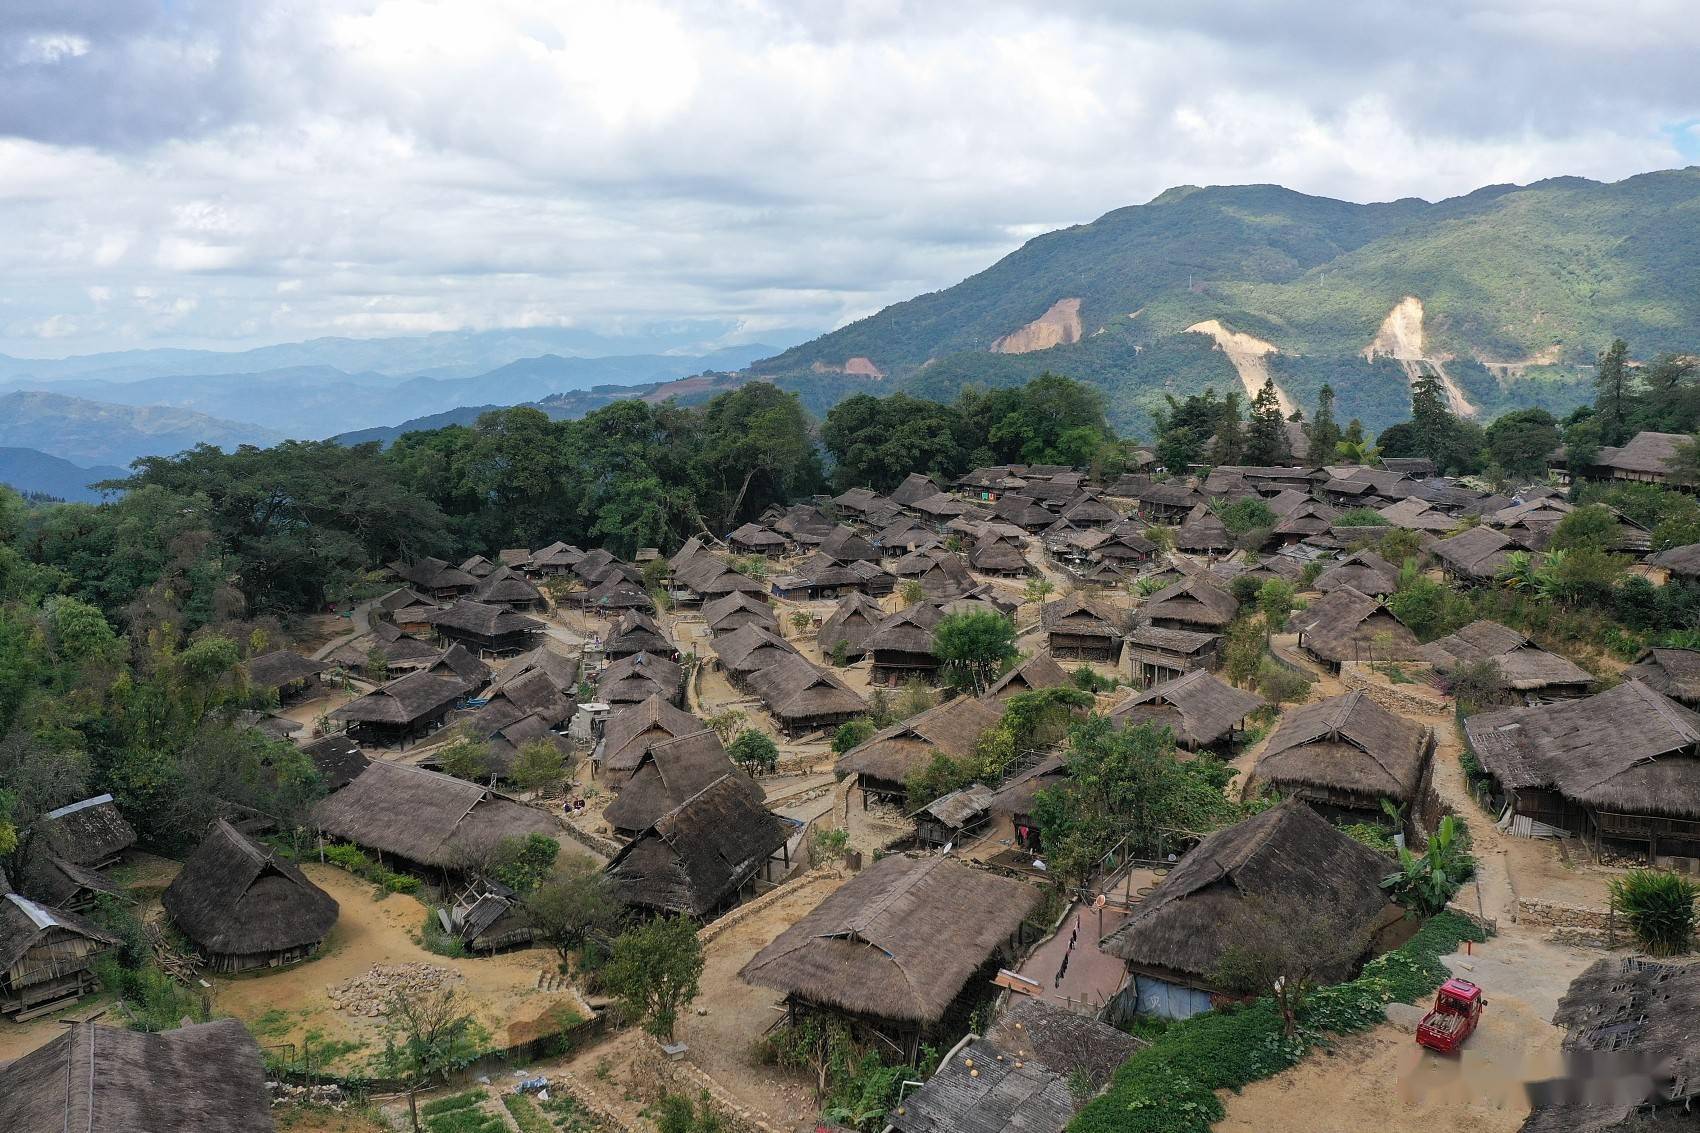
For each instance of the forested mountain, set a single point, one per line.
(90, 432)
(1507, 294)
(30, 470)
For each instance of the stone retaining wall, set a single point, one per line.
(1421, 699)
(748, 909)
(607, 847)
(682, 1076)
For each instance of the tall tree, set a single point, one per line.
(1266, 438)
(1323, 430)
(1228, 444)
(1614, 393)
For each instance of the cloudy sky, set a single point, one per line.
(222, 173)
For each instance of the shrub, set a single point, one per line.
(754, 751)
(852, 733)
(1659, 907)
(433, 938)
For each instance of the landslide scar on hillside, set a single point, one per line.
(1249, 356)
(1058, 326)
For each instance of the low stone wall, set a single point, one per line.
(1546, 914)
(1422, 699)
(748, 909)
(607, 847)
(682, 1076)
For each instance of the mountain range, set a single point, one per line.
(28, 470)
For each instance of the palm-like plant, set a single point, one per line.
(1425, 882)
(1357, 452)
(1517, 572)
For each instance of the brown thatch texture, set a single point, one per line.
(1647, 452)
(802, 694)
(1198, 707)
(1417, 515)
(629, 733)
(235, 897)
(843, 545)
(88, 832)
(755, 537)
(1683, 562)
(890, 754)
(404, 700)
(460, 663)
(1521, 664)
(671, 772)
(1287, 858)
(281, 667)
(637, 632)
(1347, 625)
(639, 677)
(1674, 672)
(737, 610)
(1035, 1029)
(25, 923)
(1023, 512)
(1347, 744)
(1365, 572)
(897, 941)
(751, 649)
(1195, 601)
(1477, 553)
(1079, 616)
(915, 486)
(561, 670)
(907, 631)
(434, 574)
(701, 852)
(852, 623)
(337, 759)
(55, 882)
(1038, 671)
(399, 650)
(426, 817)
(97, 1079)
(506, 587)
(985, 1089)
(1628, 749)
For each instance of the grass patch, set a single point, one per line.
(350, 858)
(526, 1115)
(433, 939)
(453, 1102)
(1170, 1086)
(570, 1116)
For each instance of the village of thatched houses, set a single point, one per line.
(1201, 710)
(1344, 756)
(243, 906)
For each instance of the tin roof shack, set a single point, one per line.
(1287, 863)
(803, 697)
(737, 610)
(1674, 672)
(1346, 625)
(982, 1088)
(405, 709)
(884, 761)
(1204, 713)
(702, 855)
(1037, 672)
(1633, 1065)
(1197, 604)
(902, 645)
(670, 772)
(1621, 766)
(849, 626)
(90, 833)
(1523, 666)
(950, 818)
(1080, 627)
(109, 1080)
(290, 675)
(634, 679)
(632, 730)
(244, 907)
(1159, 655)
(426, 818)
(1344, 755)
(895, 947)
(637, 632)
(486, 629)
(45, 958)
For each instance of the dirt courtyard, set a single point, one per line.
(283, 1006)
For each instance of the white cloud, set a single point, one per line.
(52, 48)
(410, 165)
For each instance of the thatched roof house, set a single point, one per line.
(883, 761)
(697, 857)
(60, 884)
(102, 1079)
(45, 959)
(755, 539)
(980, 599)
(1082, 627)
(1674, 672)
(1645, 459)
(485, 628)
(851, 624)
(630, 732)
(1681, 562)
(506, 587)
(1159, 654)
(1365, 571)
(460, 663)
(1036, 672)
(1346, 625)
(636, 632)
(1023, 512)
(670, 772)
(435, 578)
(750, 650)
(941, 573)
(244, 907)
(425, 817)
(707, 577)
(616, 593)
(802, 696)
(337, 759)
(634, 679)
(1415, 514)
(1169, 501)
(556, 559)
(842, 545)
(1473, 555)
(1201, 711)
(915, 486)
(896, 944)
(402, 710)
(288, 673)
(1287, 861)
(399, 651)
(902, 644)
(737, 610)
(1197, 603)
(1522, 665)
(983, 1088)
(1344, 755)
(1203, 532)
(90, 833)
(1623, 764)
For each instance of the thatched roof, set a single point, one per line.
(1022, 511)
(1674, 672)
(401, 598)
(460, 663)
(1478, 552)
(337, 759)
(483, 619)
(281, 667)
(434, 574)
(398, 648)
(1417, 514)
(638, 677)
(24, 923)
(234, 897)
(424, 816)
(960, 808)
(617, 592)
(985, 1089)
(594, 565)
(1079, 616)
(757, 537)
(670, 772)
(556, 556)
(1521, 663)
(983, 598)
(1346, 625)
(1288, 858)
(100, 1079)
(502, 586)
(799, 692)
(1646, 452)
(843, 545)
(751, 649)
(1156, 641)
(55, 882)
(907, 631)
(87, 832)
(1684, 562)
(562, 670)
(403, 700)
(736, 610)
(1628, 749)
(852, 623)
(630, 732)
(1365, 572)
(1197, 600)
(1203, 530)
(1198, 707)
(1036, 1030)
(637, 632)
(890, 754)
(915, 486)
(898, 941)
(1346, 744)
(699, 853)
(1038, 671)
